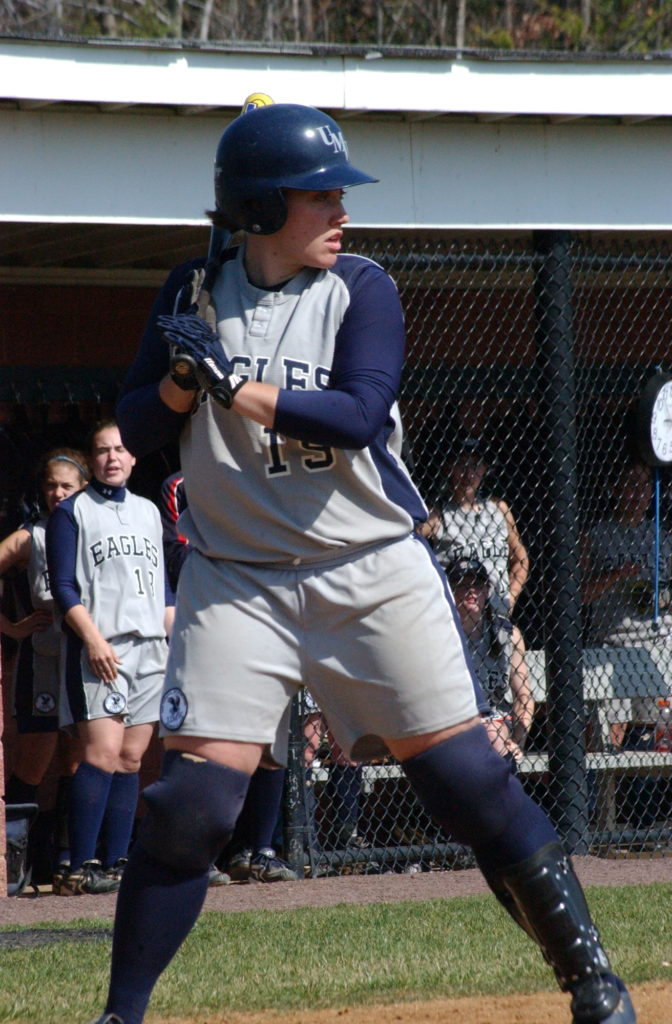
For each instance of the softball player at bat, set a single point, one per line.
(307, 565)
(105, 558)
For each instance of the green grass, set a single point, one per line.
(345, 955)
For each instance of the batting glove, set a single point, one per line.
(197, 358)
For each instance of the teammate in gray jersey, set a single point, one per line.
(465, 524)
(36, 678)
(105, 557)
(307, 567)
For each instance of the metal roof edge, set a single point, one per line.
(366, 51)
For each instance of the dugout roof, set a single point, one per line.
(107, 147)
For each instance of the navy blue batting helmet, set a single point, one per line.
(272, 148)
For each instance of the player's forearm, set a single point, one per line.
(516, 584)
(519, 570)
(349, 419)
(81, 622)
(15, 551)
(258, 402)
(101, 656)
(169, 619)
(522, 714)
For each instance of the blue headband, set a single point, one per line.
(66, 458)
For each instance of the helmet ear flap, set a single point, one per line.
(265, 215)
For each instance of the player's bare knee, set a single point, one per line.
(129, 763)
(466, 787)
(104, 758)
(192, 810)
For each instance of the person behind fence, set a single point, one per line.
(307, 567)
(251, 854)
(498, 651)
(619, 562)
(36, 678)
(105, 562)
(466, 524)
(343, 787)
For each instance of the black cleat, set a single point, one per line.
(602, 999)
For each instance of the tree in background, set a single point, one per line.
(606, 26)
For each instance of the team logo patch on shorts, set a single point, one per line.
(114, 703)
(174, 707)
(44, 704)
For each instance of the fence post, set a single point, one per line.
(295, 824)
(563, 640)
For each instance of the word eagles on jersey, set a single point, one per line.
(122, 545)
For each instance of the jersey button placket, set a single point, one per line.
(261, 319)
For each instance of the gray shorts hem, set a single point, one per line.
(370, 746)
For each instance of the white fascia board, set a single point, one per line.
(55, 72)
(163, 77)
(514, 176)
(510, 89)
(82, 167)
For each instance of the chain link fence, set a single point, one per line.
(527, 356)
(527, 360)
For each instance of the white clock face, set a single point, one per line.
(661, 424)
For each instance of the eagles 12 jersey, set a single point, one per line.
(333, 342)
(104, 549)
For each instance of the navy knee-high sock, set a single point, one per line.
(88, 798)
(527, 832)
(257, 820)
(122, 801)
(470, 791)
(343, 792)
(156, 909)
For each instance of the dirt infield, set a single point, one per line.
(653, 1000)
(324, 892)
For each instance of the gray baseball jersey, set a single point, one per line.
(105, 552)
(481, 533)
(336, 497)
(104, 547)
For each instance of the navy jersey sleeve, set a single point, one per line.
(365, 374)
(145, 421)
(61, 539)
